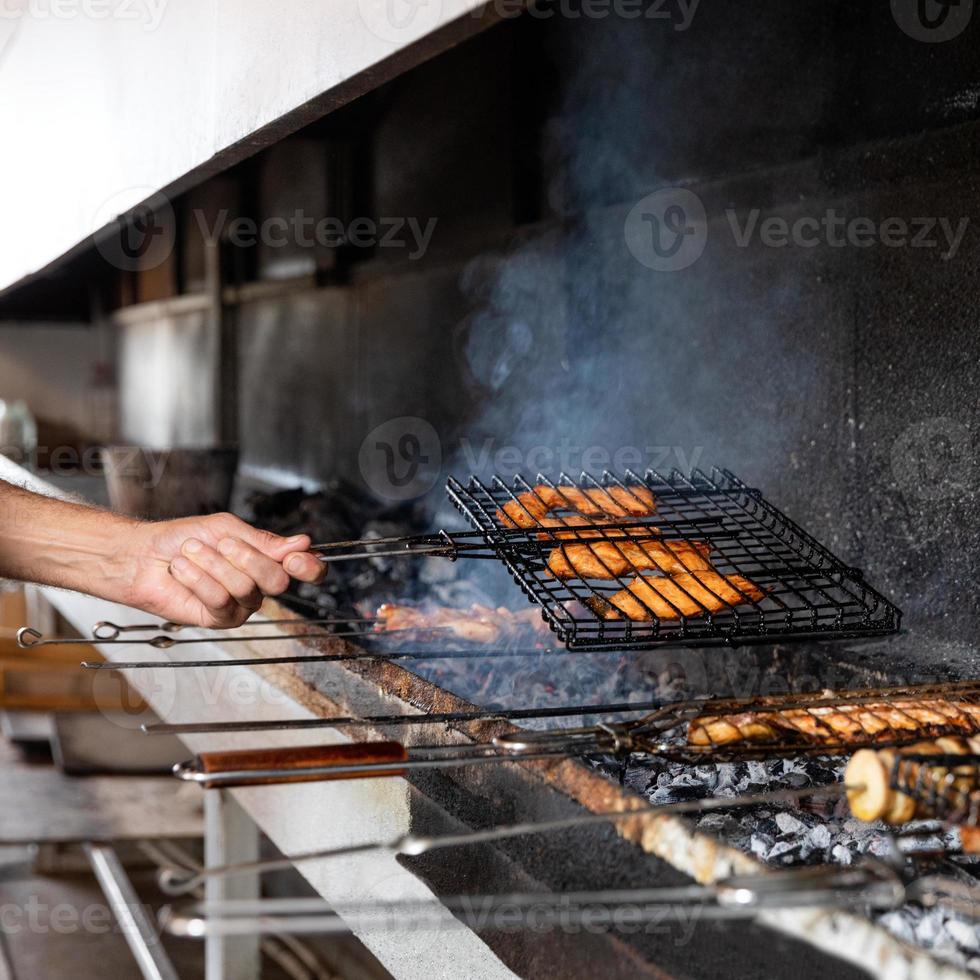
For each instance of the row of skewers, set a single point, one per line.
(926, 766)
(915, 754)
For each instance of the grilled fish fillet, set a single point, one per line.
(611, 559)
(847, 723)
(530, 507)
(688, 594)
(602, 527)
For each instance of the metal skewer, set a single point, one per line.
(322, 658)
(106, 631)
(435, 757)
(179, 881)
(869, 885)
(474, 544)
(28, 638)
(438, 718)
(655, 733)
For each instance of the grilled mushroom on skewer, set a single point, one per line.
(898, 785)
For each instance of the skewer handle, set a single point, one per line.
(302, 758)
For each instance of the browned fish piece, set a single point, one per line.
(846, 723)
(669, 597)
(611, 559)
(601, 527)
(529, 508)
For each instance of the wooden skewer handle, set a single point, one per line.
(304, 757)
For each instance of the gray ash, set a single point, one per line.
(817, 831)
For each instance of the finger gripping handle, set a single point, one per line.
(293, 761)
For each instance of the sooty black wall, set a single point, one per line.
(816, 332)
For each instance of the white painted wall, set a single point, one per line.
(104, 102)
(51, 367)
(166, 364)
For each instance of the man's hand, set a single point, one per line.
(212, 571)
(201, 571)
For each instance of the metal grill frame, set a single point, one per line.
(809, 592)
(663, 733)
(932, 781)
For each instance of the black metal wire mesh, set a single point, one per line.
(822, 724)
(944, 786)
(629, 575)
(711, 730)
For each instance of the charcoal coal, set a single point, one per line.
(782, 848)
(788, 824)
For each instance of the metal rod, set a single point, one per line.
(29, 638)
(139, 931)
(450, 539)
(179, 881)
(474, 544)
(240, 777)
(106, 631)
(315, 658)
(866, 886)
(436, 718)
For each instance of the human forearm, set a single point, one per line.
(54, 542)
(207, 571)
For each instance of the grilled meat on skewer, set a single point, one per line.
(611, 559)
(478, 624)
(836, 724)
(529, 508)
(669, 597)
